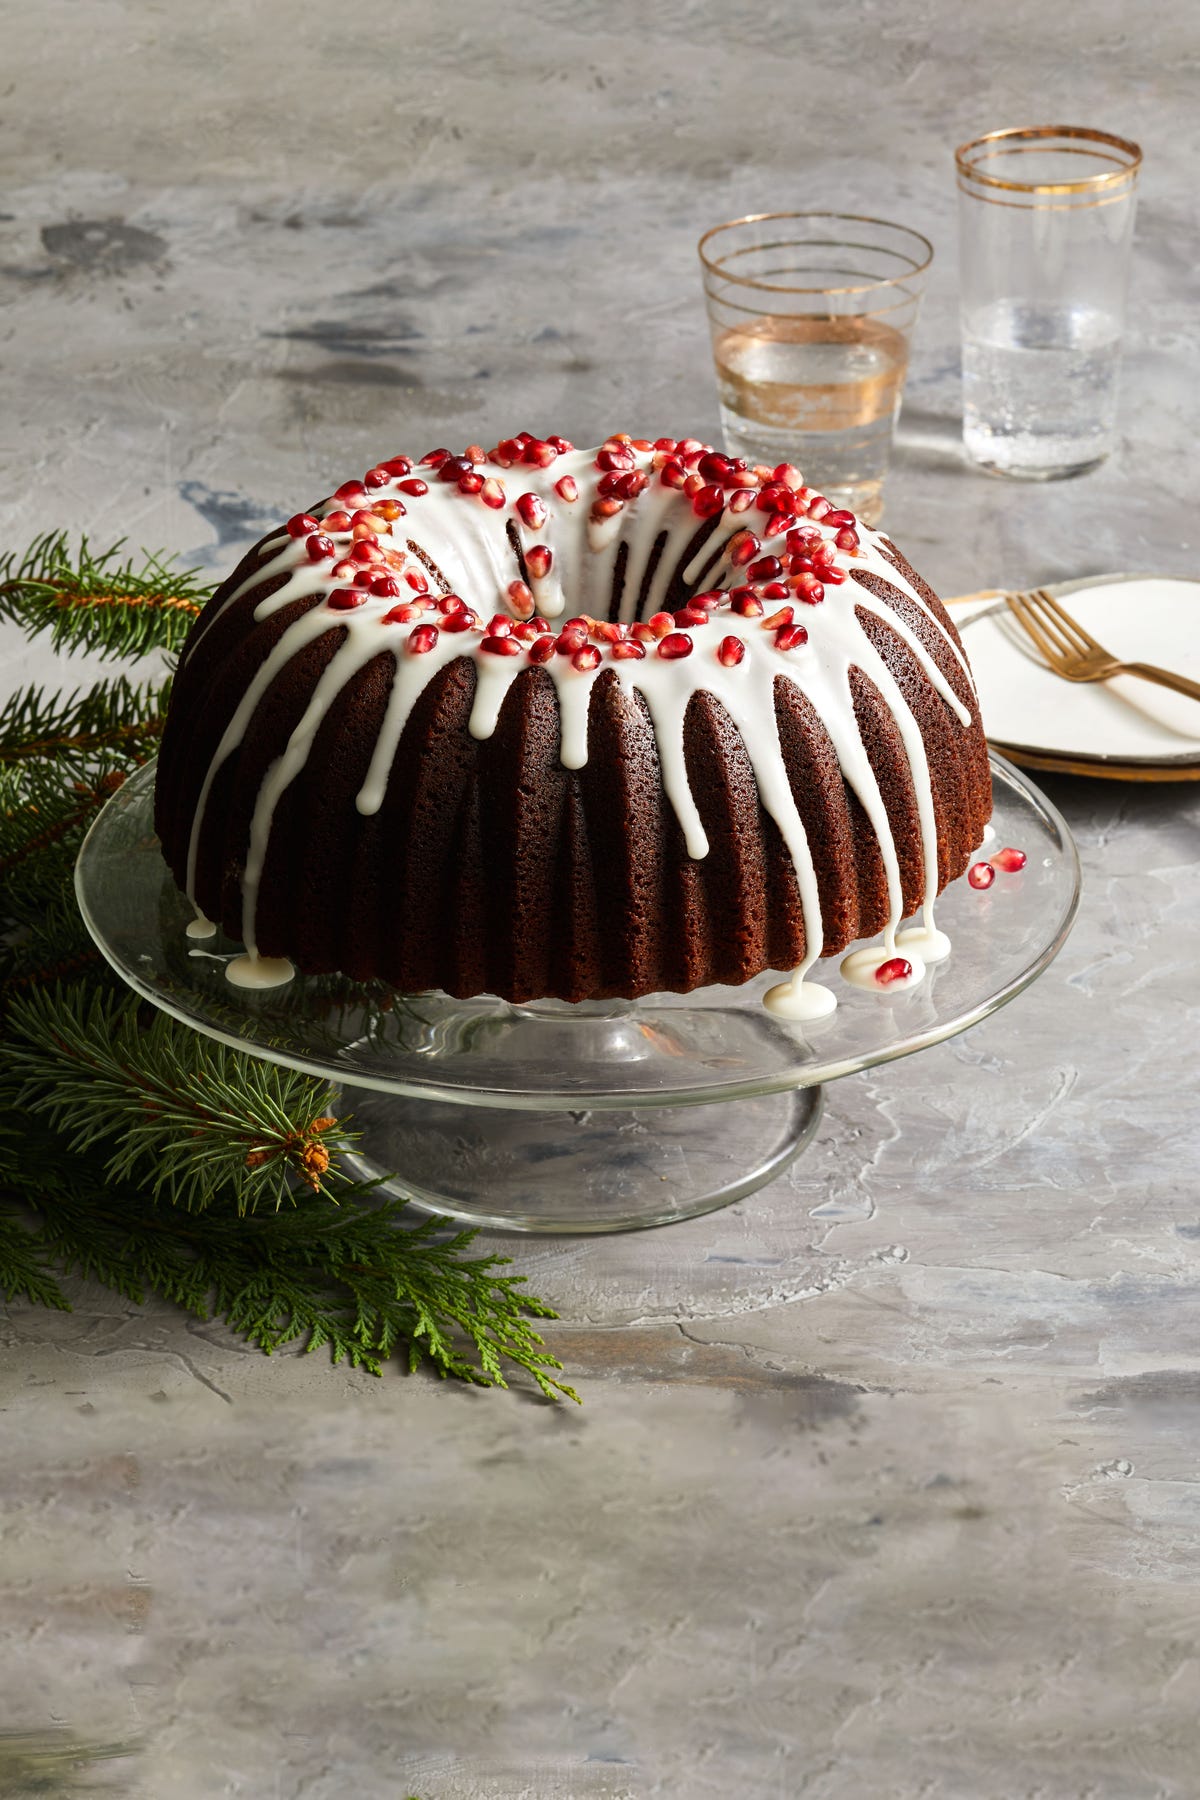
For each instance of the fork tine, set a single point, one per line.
(1029, 623)
(1049, 603)
(1062, 639)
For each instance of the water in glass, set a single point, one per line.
(1039, 386)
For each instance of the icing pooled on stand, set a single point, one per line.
(539, 555)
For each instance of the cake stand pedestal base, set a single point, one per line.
(593, 1170)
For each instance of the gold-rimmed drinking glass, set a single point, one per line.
(811, 316)
(1046, 218)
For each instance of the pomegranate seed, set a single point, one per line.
(730, 651)
(532, 511)
(388, 510)
(661, 623)
(470, 484)
(833, 576)
(580, 623)
(609, 486)
(607, 509)
(465, 620)
(540, 455)
(500, 625)
(708, 502)
(775, 497)
(351, 490)
(452, 467)
(775, 590)
(320, 548)
(376, 478)
(791, 637)
(415, 487)
(435, 459)
(741, 500)
(981, 875)
(746, 603)
(507, 452)
(345, 570)
(450, 603)
(520, 599)
(538, 560)
(895, 969)
(742, 548)
(398, 465)
(846, 539)
(301, 525)
(819, 508)
(423, 638)
(475, 453)
(691, 615)
(364, 578)
(541, 649)
(840, 515)
(708, 601)
(784, 616)
(675, 644)
(693, 485)
(808, 589)
(417, 581)
(802, 538)
(615, 457)
(337, 521)
(714, 467)
(367, 534)
(384, 587)
(1009, 860)
(823, 554)
(527, 630)
(567, 488)
(744, 478)
(400, 615)
(691, 447)
(585, 659)
(643, 633)
(561, 444)
(569, 641)
(789, 475)
(346, 599)
(631, 485)
(609, 631)
(673, 474)
(365, 552)
(627, 651)
(501, 646)
(491, 492)
(664, 444)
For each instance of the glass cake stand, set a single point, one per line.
(603, 1116)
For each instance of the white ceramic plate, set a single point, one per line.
(1147, 618)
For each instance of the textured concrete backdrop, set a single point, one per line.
(886, 1483)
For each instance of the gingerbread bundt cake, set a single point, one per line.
(544, 722)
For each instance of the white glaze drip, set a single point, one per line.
(470, 546)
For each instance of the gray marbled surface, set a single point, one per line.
(887, 1483)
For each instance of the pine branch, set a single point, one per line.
(117, 716)
(188, 1117)
(350, 1279)
(99, 602)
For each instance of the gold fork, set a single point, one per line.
(1075, 655)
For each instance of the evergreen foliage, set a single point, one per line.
(140, 1154)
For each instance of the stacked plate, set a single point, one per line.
(1126, 729)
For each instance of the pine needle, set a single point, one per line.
(99, 602)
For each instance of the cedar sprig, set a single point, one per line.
(350, 1279)
(99, 601)
(189, 1119)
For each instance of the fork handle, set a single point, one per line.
(1164, 677)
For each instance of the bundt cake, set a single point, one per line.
(543, 722)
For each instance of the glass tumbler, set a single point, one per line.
(811, 316)
(1045, 231)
